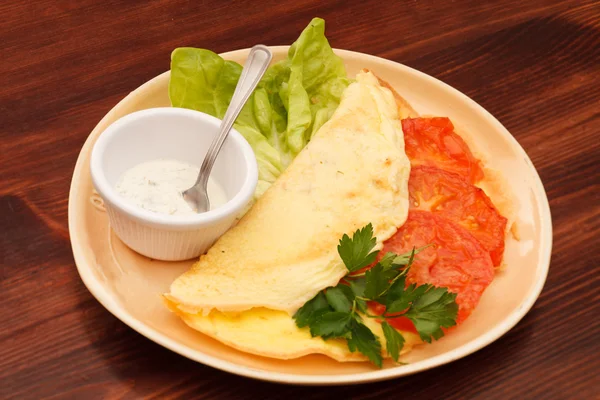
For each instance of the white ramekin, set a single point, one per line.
(180, 134)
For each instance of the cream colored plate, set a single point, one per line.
(128, 284)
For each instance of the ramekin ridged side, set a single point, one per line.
(162, 244)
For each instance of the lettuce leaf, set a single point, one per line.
(293, 100)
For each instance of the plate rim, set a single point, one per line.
(546, 237)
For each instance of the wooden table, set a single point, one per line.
(534, 64)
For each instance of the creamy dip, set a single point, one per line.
(157, 185)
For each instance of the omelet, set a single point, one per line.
(274, 334)
(354, 171)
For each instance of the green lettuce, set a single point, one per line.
(293, 100)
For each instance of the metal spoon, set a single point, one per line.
(255, 67)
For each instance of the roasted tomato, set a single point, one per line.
(456, 260)
(451, 196)
(433, 142)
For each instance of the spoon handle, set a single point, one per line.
(255, 67)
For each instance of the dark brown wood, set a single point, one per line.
(534, 64)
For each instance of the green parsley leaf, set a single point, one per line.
(387, 260)
(358, 288)
(303, 315)
(361, 305)
(376, 283)
(433, 310)
(356, 252)
(366, 342)
(394, 341)
(315, 315)
(390, 275)
(399, 297)
(331, 324)
(392, 265)
(340, 298)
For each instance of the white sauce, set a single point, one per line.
(157, 185)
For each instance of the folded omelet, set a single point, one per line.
(353, 172)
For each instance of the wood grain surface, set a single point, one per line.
(533, 64)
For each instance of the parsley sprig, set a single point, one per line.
(338, 312)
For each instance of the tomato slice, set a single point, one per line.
(456, 260)
(451, 196)
(433, 142)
